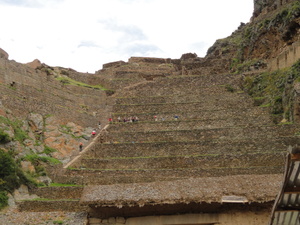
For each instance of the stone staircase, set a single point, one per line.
(219, 133)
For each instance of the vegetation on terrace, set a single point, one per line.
(243, 43)
(11, 177)
(275, 90)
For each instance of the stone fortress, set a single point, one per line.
(220, 162)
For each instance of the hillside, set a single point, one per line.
(210, 131)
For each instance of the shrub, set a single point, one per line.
(3, 199)
(20, 135)
(274, 90)
(11, 175)
(4, 137)
(48, 150)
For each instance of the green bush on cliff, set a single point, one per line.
(3, 199)
(19, 134)
(11, 177)
(244, 40)
(4, 137)
(69, 81)
(274, 89)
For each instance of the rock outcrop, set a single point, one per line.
(3, 54)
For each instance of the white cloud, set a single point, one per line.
(84, 35)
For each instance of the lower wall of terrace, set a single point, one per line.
(58, 192)
(51, 206)
(229, 215)
(104, 177)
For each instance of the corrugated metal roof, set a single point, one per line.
(286, 210)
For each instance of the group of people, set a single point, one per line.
(131, 119)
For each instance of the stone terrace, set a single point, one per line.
(219, 133)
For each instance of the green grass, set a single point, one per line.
(69, 81)
(34, 158)
(64, 185)
(48, 150)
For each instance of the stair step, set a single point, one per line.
(104, 177)
(211, 98)
(201, 134)
(186, 161)
(182, 84)
(214, 146)
(246, 115)
(68, 192)
(180, 107)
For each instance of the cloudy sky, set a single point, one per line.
(85, 34)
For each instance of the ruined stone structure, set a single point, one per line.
(201, 152)
(201, 165)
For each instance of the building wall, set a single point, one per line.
(233, 218)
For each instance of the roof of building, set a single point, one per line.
(235, 189)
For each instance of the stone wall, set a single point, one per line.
(58, 192)
(246, 160)
(233, 217)
(285, 59)
(188, 148)
(113, 64)
(25, 90)
(113, 176)
(149, 60)
(51, 206)
(194, 134)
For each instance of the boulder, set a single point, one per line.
(22, 193)
(27, 166)
(34, 64)
(36, 122)
(44, 179)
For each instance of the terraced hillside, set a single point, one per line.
(219, 134)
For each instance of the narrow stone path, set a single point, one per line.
(86, 148)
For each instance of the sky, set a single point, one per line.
(85, 34)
